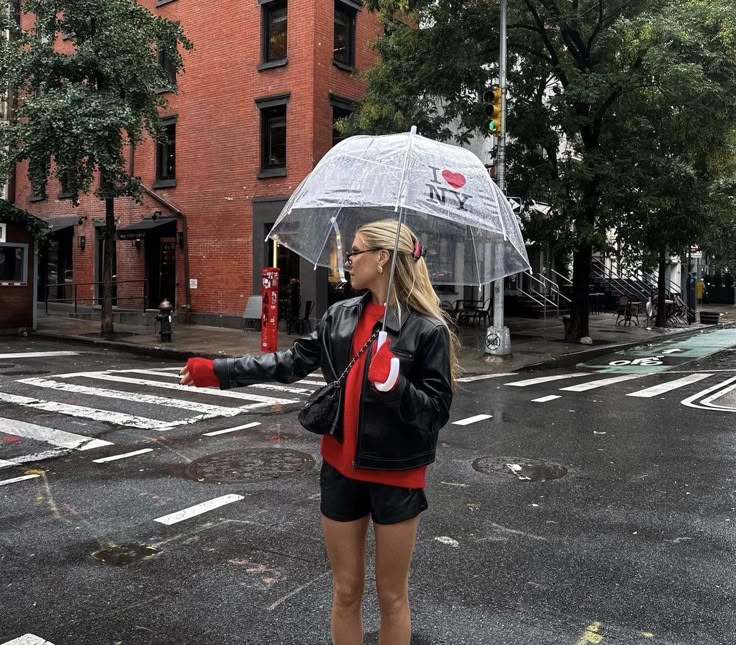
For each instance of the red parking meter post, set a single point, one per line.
(270, 309)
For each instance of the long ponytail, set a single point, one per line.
(412, 284)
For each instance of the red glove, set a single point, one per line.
(380, 373)
(202, 371)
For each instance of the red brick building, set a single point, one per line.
(254, 113)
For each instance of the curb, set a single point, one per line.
(155, 351)
(158, 351)
(573, 358)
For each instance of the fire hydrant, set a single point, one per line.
(164, 319)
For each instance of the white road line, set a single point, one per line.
(544, 399)
(709, 400)
(103, 376)
(125, 455)
(689, 401)
(669, 386)
(226, 430)
(58, 438)
(483, 377)
(592, 385)
(193, 511)
(5, 482)
(118, 418)
(37, 456)
(311, 382)
(149, 372)
(6, 464)
(469, 420)
(38, 354)
(28, 639)
(547, 379)
(282, 388)
(182, 404)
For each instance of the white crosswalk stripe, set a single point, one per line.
(663, 388)
(228, 394)
(593, 385)
(55, 437)
(28, 639)
(546, 379)
(96, 414)
(37, 354)
(136, 397)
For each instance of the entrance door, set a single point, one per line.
(99, 269)
(161, 270)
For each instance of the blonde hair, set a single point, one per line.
(412, 285)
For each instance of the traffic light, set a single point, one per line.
(492, 109)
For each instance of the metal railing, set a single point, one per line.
(559, 275)
(634, 284)
(543, 296)
(554, 287)
(75, 300)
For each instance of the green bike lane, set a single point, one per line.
(664, 355)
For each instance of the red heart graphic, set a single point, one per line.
(455, 179)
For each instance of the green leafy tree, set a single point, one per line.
(80, 106)
(574, 67)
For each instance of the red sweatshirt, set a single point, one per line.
(341, 455)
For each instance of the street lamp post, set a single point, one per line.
(498, 338)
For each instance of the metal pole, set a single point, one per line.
(498, 342)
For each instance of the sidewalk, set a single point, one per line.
(534, 342)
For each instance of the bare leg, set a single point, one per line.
(394, 549)
(345, 542)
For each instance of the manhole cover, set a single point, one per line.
(522, 468)
(250, 465)
(121, 554)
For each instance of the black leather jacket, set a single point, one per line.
(397, 429)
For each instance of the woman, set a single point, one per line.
(374, 466)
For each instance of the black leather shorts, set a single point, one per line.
(347, 500)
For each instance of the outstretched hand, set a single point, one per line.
(199, 372)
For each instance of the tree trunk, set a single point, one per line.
(581, 263)
(106, 330)
(661, 296)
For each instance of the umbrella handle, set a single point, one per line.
(393, 374)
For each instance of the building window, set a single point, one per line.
(13, 263)
(344, 50)
(274, 21)
(38, 192)
(167, 65)
(273, 135)
(341, 109)
(166, 156)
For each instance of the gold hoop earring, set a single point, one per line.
(380, 269)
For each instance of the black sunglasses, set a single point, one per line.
(349, 254)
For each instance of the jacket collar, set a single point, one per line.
(394, 322)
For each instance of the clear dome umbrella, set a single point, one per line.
(442, 192)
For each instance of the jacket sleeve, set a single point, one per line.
(286, 367)
(426, 403)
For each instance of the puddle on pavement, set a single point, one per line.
(120, 555)
(521, 468)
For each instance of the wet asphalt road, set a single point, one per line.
(634, 543)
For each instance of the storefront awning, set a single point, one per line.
(139, 229)
(57, 224)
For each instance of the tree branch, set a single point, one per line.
(547, 43)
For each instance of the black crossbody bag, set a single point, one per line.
(321, 412)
